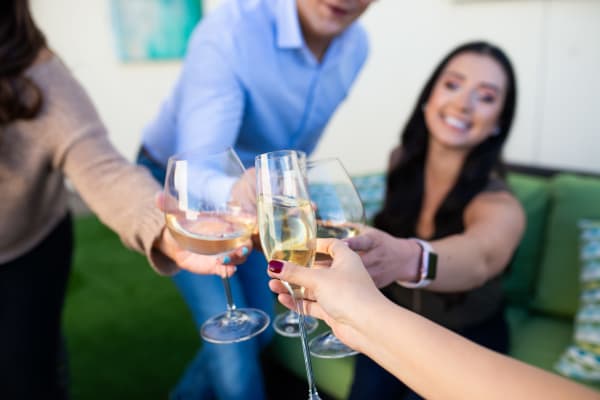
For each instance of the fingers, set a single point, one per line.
(278, 287)
(332, 247)
(309, 307)
(287, 301)
(362, 242)
(238, 256)
(292, 273)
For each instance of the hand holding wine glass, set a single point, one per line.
(335, 293)
(205, 217)
(199, 263)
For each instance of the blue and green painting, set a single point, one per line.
(153, 29)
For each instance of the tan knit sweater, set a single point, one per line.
(67, 139)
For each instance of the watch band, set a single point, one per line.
(427, 267)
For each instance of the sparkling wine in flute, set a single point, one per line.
(210, 233)
(288, 229)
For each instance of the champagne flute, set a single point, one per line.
(287, 323)
(340, 214)
(205, 216)
(287, 226)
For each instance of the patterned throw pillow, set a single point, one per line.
(581, 360)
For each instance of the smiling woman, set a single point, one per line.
(466, 101)
(445, 186)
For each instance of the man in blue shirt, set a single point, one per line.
(259, 76)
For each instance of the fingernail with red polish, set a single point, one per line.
(275, 266)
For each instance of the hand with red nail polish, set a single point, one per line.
(432, 360)
(330, 291)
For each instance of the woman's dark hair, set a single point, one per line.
(405, 181)
(20, 43)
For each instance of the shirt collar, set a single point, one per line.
(287, 25)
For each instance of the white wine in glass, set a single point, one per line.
(205, 215)
(287, 323)
(287, 227)
(211, 233)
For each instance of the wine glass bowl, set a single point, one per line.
(205, 216)
(340, 214)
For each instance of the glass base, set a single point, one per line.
(287, 324)
(234, 326)
(327, 345)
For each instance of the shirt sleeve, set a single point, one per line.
(119, 193)
(211, 103)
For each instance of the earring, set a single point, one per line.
(495, 131)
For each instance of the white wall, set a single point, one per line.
(554, 44)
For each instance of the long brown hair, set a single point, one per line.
(20, 43)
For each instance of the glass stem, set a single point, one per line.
(230, 304)
(312, 388)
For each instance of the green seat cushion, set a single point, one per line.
(574, 198)
(539, 340)
(533, 193)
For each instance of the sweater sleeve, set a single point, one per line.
(118, 192)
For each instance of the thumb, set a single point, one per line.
(360, 243)
(291, 273)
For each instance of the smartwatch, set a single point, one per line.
(427, 266)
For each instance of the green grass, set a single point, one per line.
(129, 333)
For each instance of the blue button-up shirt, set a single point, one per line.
(250, 82)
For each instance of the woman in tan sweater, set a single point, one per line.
(50, 130)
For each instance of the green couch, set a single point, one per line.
(541, 283)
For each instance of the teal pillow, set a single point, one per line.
(533, 193)
(581, 360)
(573, 198)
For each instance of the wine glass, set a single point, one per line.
(287, 226)
(205, 216)
(287, 323)
(340, 214)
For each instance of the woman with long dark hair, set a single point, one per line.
(49, 130)
(449, 224)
